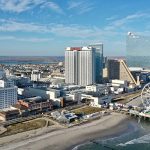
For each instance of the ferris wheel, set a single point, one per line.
(145, 95)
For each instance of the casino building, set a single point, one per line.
(80, 66)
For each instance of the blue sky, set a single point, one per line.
(46, 27)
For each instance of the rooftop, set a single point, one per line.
(8, 109)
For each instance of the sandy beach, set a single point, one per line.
(55, 138)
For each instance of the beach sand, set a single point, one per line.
(67, 138)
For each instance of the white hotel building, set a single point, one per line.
(80, 65)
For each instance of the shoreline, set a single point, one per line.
(122, 130)
(68, 138)
(113, 132)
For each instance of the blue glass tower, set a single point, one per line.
(99, 61)
(138, 50)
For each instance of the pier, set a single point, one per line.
(137, 114)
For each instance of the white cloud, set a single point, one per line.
(75, 4)
(130, 18)
(74, 31)
(84, 42)
(54, 7)
(71, 31)
(34, 39)
(111, 18)
(23, 39)
(24, 5)
(12, 26)
(19, 5)
(6, 38)
(81, 6)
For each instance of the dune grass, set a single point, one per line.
(87, 110)
(25, 126)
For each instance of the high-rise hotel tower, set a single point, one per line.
(99, 61)
(8, 91)
(80, 65)
(138, 50)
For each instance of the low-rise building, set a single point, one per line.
(64, 116)
(36, 104)
(67, 118)
(58, 102)
(120, 83)
(74, 96)
(100, 88)
(99, 101)
(36, 75)
(9, 114)
(21, 81)
(43, 92)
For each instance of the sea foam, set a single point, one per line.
(142, 140)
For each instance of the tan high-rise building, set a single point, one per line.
(117, 69)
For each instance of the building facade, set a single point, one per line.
(99, 61)
(36, 75)
(138, 47)
(9, 114)
(8, 93)
(71, 66)
(36, 104)
(117, 69)
(80, 65)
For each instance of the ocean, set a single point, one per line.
(138, 139)
(14, 60)
(138, 61)
(26, 62)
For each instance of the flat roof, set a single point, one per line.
(8, 109)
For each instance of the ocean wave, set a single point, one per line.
(134, 127)
(78, 146)
(142, 140)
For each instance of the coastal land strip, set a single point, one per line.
(59, 138)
